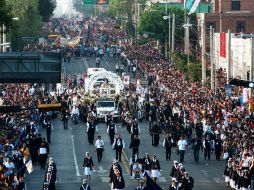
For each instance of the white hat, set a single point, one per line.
(174, 179)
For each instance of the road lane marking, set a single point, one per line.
(104, 179)
(218, 180)
(162, 179)
(75, 157)
(204, 172)
(101, 170)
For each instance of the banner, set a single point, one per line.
(223, 44)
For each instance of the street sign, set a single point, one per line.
(228, 90)
(89, 2)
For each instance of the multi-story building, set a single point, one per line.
(236, 15)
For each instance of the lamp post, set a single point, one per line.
(169, 32)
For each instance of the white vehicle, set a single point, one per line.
(106, 106)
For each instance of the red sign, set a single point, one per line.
(223, 44)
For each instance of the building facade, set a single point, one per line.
(236, 15)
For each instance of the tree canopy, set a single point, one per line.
(46, 9)
(153, 24)
(5, 14)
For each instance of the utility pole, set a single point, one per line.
(169, 35)
(203, 51)
(138, 20)
(173, 32)
(166, 47)
(212, 57)
(229, 57)
(251, 65)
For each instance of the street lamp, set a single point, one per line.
(169, 34)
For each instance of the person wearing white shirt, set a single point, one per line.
(182, 146)
(75, 114)
(99, 144)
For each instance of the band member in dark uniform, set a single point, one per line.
(91, 128)
(135, 146)
(135, 130)
(111, 130)
(118, 181)
(155, 168)
(108, 119)
(118, 145)
(167, 144)
(146, 164)
(49, 127)
(84, 185)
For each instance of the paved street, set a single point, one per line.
(68, 148)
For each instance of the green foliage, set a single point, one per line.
(152, 22)
(46, 9)
(191, 70)
(5, 14)
(29, 23)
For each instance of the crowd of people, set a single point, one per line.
(186, 113)
(22, 143)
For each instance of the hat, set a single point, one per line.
(180, 164)
(51, 159)
(84, 180)
(230, 160)
(175, 162)
(174, 179)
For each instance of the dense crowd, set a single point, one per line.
(182, 113)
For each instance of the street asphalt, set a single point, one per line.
(68, 149)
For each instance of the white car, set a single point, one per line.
(106, 106)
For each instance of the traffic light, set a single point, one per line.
(244, 83)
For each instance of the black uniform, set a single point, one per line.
(111, 132)
(91, 131)
(134, 129)
(218, 148)
(118, 146)
(118, 182)
(48, 131)
(187, 183)
(135, 147)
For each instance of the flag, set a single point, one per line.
(29, 166)
(150, 184)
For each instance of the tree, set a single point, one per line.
(152, 22)
(46, 9)
(5, 14)
(29, 24)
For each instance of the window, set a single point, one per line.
(240, 26)
(235, 5)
